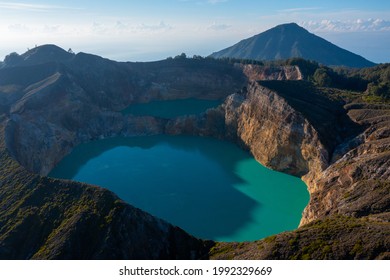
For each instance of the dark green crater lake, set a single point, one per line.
(171, 108)
(210, 188)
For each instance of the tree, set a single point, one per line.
(181, 56)
(322, 78)
(12, 59)
(307, 67)
(379, 89)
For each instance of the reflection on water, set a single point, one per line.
(210, 188)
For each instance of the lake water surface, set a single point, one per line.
(210, 188)
(171, 108)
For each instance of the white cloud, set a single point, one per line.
(216, 1)
(51, 28)
(299, 10)
(162, 26)
(99, 28)
(203, 2)
(123, 28)
(358, 25)
(218, 26)
(18, 28)
(30, 7)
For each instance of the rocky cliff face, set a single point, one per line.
(264, 123)
(357, 184)
(264, 73)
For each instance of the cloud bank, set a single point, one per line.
(358, 25)
(31, 7)
(218, 26)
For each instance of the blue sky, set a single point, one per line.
(150, 30)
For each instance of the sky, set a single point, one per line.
(147, 30)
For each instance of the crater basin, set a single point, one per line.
(210, 188)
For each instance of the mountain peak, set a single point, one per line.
(47, 49)
(291, 40)
(38, 55)
(289, 25)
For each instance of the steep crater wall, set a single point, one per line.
(261, 121)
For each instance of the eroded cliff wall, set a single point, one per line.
(262, 122)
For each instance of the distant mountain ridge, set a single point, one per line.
(288, 41)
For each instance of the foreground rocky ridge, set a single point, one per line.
(50, 107)
(334, 238)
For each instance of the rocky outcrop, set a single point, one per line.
(274, 73)
(357, 184)
(278, 136)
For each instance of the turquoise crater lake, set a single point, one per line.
(210, 188)
(171, 108)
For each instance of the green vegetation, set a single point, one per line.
(225, 60)
(225, 250)
(270, 239)
(357, 248)
(335, 237)
(379, 89)
(371, 85)
(231, 60)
